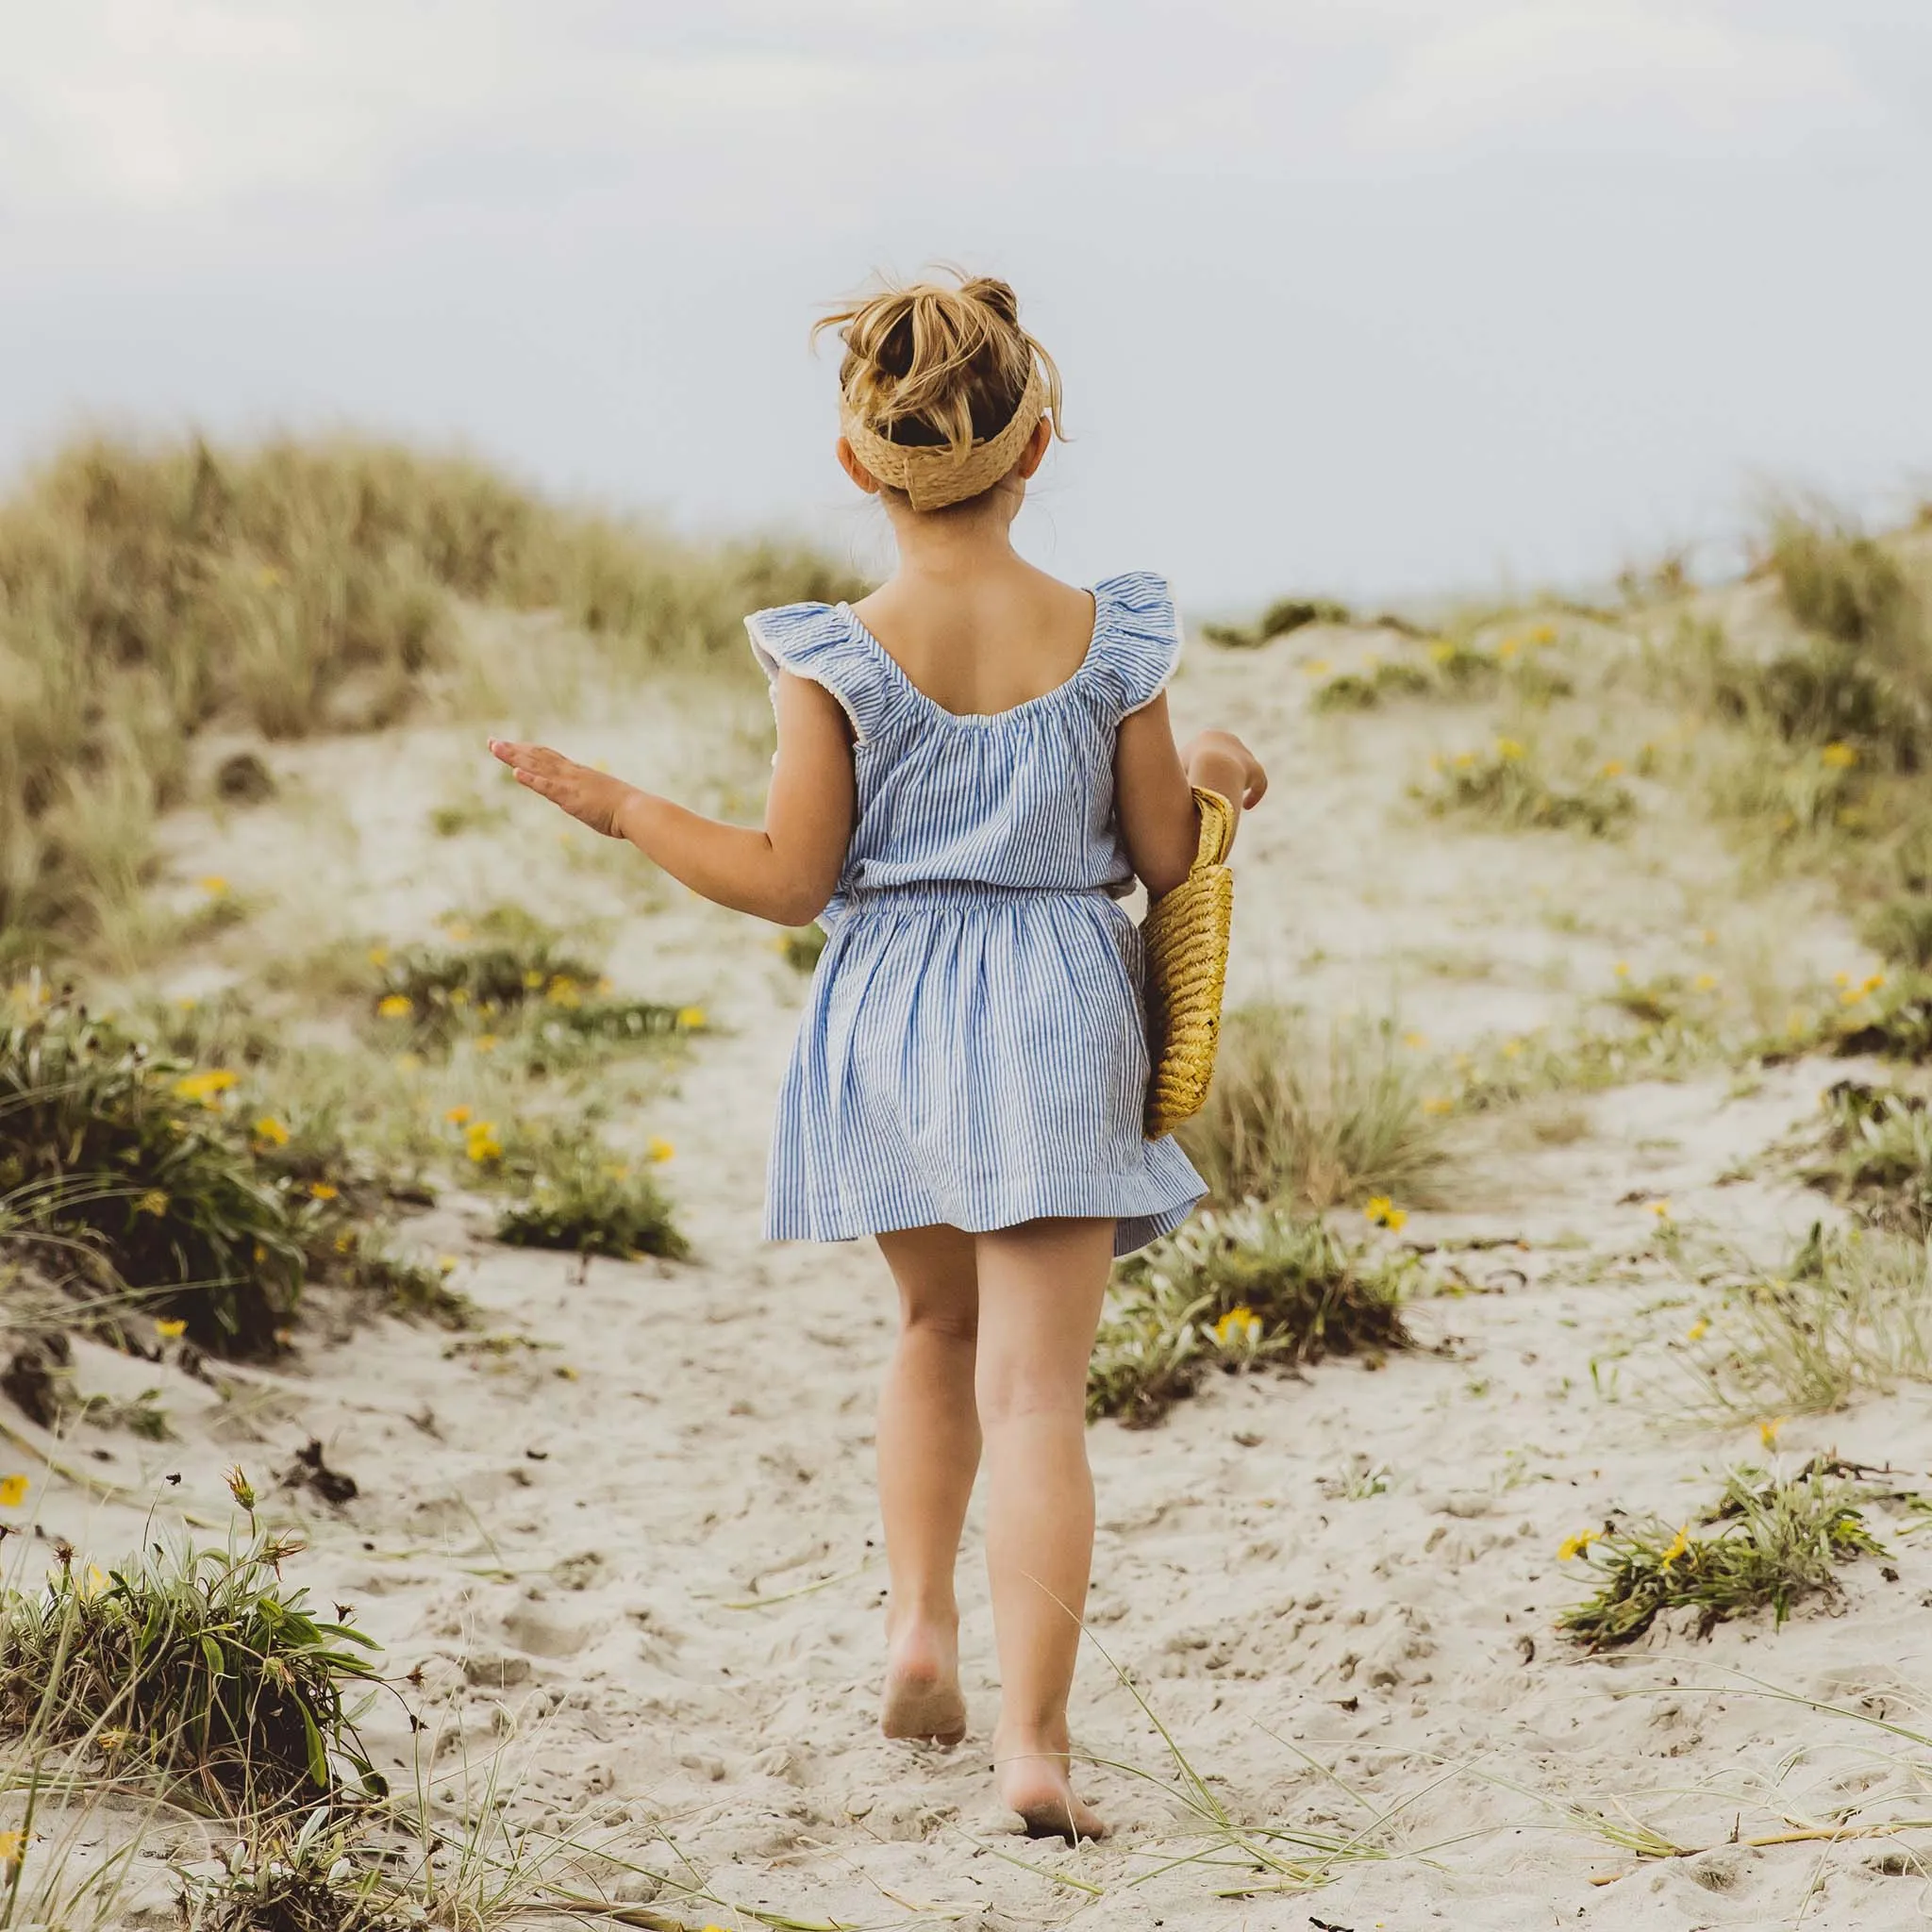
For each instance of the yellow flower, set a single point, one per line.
(1797, 1022)
(13, 1492)
(1512, 1048)
(1396, 1217)
(1315, 667)
(170, 1328)
(1874, 981)
(456, 1116)
(409, 1062)
(1544, 634)
(1508, 749)
(1679, 1544)
(344, 1242)
(13, 1848)
(1415, 1040)
(1375, 1207)
(691, 1018)
(1705, 982)
(1438, 1103)
(456, 929)
(110, 1742)
(1239, 1325)
(323, 1190)
(562, 991)
(208, 1086)
(485, 1042)
(1838, 756)
(95, 1581)
(1621, 968)
(459, 996)
(1767, 1431)
(445, 1264)
(605, 986)
(395, 1005)
(1463, 760)
(533, 979)
(480, 1142)
(1697, 1330)
(658, 1148)
(214, 885)
(270, 1132)
(1574, 1545)
(378, 955)
(1661, 1209)
(1441, 650)
(153, 1202)
(1611, 768)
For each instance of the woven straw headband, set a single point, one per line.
(933, 476)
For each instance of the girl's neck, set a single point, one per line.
(946, 550)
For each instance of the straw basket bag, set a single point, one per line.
(1185, 937)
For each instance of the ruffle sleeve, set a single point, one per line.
(821, 643)
(1136, 641)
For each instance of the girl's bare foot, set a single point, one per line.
(1035, 1782)
(923, 1696)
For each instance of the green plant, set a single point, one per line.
(581, 1199)
(1237, 1290)
(196, 1664)
(1312, 1116)
(1842, 584)
(1283, 615)
(1875, 1151)
(802, 946)
(125, 1152)
(1900, 928)
(1506, 784)
(1847, 1311)
(1772, 1541)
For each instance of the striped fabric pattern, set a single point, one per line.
(971, 1051)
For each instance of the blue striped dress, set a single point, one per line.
(972, 1051)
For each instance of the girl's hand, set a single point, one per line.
(1213, 756)
(594, 798)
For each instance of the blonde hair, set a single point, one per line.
(939, 368)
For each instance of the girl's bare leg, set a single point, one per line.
(1040, 1290)
(929, 1453)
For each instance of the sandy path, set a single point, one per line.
(633, 1548)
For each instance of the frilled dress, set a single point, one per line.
(972, 1050)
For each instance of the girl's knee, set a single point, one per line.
(1028, 1391)
(940, 1322)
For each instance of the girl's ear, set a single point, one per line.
(848, 462)
(1035, 453)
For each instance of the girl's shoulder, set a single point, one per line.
(1137, 639)
(826, 643)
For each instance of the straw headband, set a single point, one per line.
(933, 476)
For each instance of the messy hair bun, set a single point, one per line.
(935, 366)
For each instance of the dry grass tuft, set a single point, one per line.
(1507, 785)
(1249, 1288)
(1312, 1118)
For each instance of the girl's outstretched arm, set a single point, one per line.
(1154, 795)
(785, 872)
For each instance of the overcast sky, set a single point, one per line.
(1375, 296)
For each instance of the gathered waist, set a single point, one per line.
(954, 895)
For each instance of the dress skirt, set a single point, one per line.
(973, 1055)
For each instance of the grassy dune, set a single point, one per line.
(230, 1186)
(149, 593)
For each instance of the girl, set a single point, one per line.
(974, 764)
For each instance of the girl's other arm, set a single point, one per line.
(1154, 795)
(785, 873)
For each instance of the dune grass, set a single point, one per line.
(1876, 1153)
(1312, 1116)
(1846, 1313)
(1508, 785)
(575, 1195)
(1283, 615)
(1243, 1289)
(196, 1665)
(1769, 1542)
(288, 587)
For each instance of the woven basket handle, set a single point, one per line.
(1217, 826)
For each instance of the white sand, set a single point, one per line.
(653, 1585)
